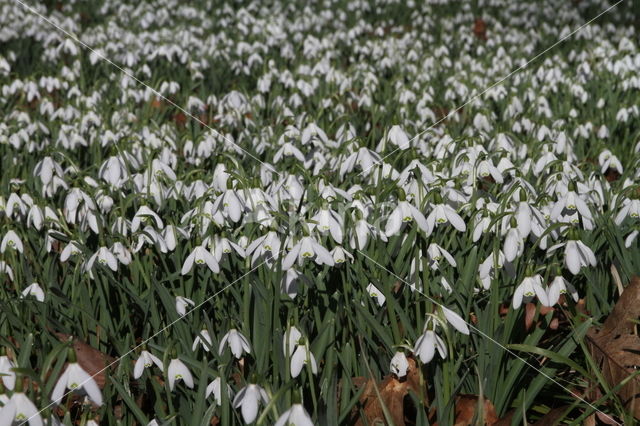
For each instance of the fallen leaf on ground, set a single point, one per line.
(467, 411)
(392, 392)
(616, 347)
(480, 29)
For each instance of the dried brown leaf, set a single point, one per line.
(467, 411)
(616, 347)
(392, 392)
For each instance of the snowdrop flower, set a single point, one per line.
(398, 137)
(104, 257)
(436, 253)
(291, 282)
(454, 319)
(307, 248)
(145, 360)
(340, 255)
(577, 255)
(302, 356)
(222, 246)
(143, 215)
(76, 379)
(294, 416)
(265, 247)
(569, 204)
(203, 339)
(513, 244)
(442, 214)
(170, 234)
(34, 290)
(376, 294)
(362, 230)
(200, 256)
(399, 364)
(403, 213)
(560, 286)
(178, 371)
(237, 343)
(631, 208)
(230, 204)
(18, 409)
(629, 240)
(12, 241)
(427, 343)
(215, 388)
(248, 400)
(7, 375)
(530, 287)
(326, 220)
(609, 161)
(182, 303)
(4, 268)
(488, 268)
(291, 340)
(288, 150)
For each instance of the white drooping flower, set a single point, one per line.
(230, 204)
(215, 388)
(560, 286)
(76, 379)
(301, 357)
(435, 253)
(376, 294)
(177, 370)
(204, 339)
(291, 281)
(237, 343)
(294, 416)
(182, 303)
(71, 249)
(340, 255)
(291, 340)
(443, 214)
(34, 290)
(143, 215)
(7, 375)
(399, 364)
(200, 256)
(145, 360)
(266, 247)
(307, 248)
(569, 204)
(489, 267)
(248, 400)
(104, 257)
(18, 410)
(577, 255)
(529, 288)
(631, 208)
(12, 241)
(455, 320)
(513, 244)
(326, 220)
(607, 160)
(427, 343)
(403, 213)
